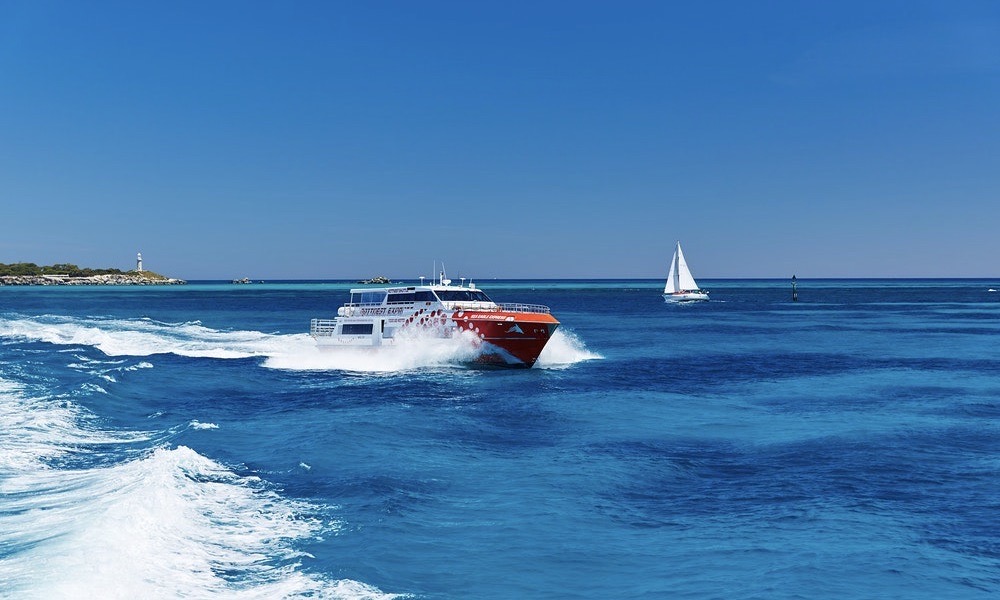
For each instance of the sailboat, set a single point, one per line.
(681, 286)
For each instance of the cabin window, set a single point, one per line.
(422, 296)
(372, 297)
(357, 329)
(462, 296)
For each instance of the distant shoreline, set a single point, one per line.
(132, 278)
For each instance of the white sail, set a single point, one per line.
(685, 281)
(671, 286)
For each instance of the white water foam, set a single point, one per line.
(172, 525)
(168, 524)
(409, 352)
(140, 337)
(564, 349)
(35, 431)
(143, 337)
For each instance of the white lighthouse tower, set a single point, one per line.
(138, 262)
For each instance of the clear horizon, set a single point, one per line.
(336, 140)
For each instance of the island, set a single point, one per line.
(377, 279)
(69, 274)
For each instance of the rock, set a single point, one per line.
(110, 279)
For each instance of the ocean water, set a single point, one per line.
(190, 442)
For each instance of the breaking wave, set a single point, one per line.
(157, 523)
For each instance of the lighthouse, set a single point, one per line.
(138, 262)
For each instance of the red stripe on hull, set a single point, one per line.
(518, 337)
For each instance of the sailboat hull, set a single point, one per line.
(686, 296)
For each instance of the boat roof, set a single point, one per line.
(400, 289)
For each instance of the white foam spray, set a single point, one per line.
(34, 431)
(140, 337)
(143, 337)
(564, 349)
(171, 525)
(413, 351)
(165, 523)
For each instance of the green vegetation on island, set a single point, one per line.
(32, 274)
(31, 269)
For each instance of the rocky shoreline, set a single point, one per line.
(378, 279)
(110, 279)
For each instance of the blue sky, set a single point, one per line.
(509, 139)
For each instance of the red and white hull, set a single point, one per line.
(509, 338)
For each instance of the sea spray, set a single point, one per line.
(564, 349)
(172, 524)
(93, 512)
(411, 351)
(295, 352)
(38, 431)
(159, 523)
(143, 337)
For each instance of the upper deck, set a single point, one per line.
(451, 297)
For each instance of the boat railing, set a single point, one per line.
(517, 307)
(322, 327)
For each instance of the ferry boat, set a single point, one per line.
(505, 334)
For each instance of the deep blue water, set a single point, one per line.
(191, 442)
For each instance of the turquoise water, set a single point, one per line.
(191, 442)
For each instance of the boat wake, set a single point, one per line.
(156, 523)
(297, 352)
(140, 337)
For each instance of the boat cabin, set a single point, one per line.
(451, 297)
